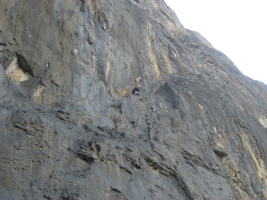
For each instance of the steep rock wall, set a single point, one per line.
(71, 129)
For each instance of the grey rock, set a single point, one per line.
(70, 128)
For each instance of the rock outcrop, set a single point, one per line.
(71, 130)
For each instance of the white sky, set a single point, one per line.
(238, 28)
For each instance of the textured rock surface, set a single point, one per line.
(71, 130)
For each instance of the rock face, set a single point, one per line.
(71, 130)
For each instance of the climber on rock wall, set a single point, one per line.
(135, 91)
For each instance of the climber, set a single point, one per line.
(135, 91)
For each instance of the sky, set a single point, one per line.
(238, 28)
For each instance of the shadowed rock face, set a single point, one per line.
(70, 129)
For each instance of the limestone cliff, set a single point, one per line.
(71, 130)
